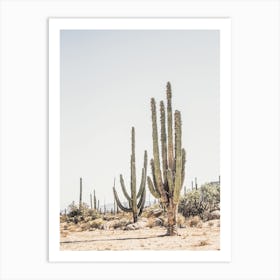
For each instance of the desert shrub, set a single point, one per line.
(85, 226)
(201, 201)
(94, 214)
(97, 223)
(121, 223)
(203, 243)
(210, 224)
(190, 204)
(63, 218)
(72, 228)
(151, 222)
(195, 222)
(64, 226)
(181, 220)
(210, 196)
(73, 210)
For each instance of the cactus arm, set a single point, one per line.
(123, 208)
(178, 150)
(153, 174)
(152, 189)
(170, 182)
(144, 176)
(183, 165)
(124, 189)
(169, 127)
(158, 177)
(142, 185)
(163, 145)
(142, 199)
(141, 206)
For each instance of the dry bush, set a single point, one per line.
(152, 211)
(121, 223)
(109, 217)
(72, 228)
(210, 224)
(85, 226)
(203, 243)
(63, 233)
(63, 218)
(195, 222)
(151, 222)
(181, 220)
(97, 223)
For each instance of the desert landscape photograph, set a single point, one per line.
(140, 140)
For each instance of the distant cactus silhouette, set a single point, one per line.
(94, 200)
(81, 193)
(133, 206)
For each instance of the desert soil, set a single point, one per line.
(206, 237)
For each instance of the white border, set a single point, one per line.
(221, 24)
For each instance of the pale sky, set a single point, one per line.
(107, 81)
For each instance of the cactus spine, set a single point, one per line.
(133, 206)
(168, 177)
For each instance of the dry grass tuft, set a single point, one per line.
(181, 221)
(203, 243)
(210, 224)
(151, 222)
(97, 223)
(195, 222)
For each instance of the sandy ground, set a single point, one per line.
(191, 238)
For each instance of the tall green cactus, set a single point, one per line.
(133, 206)
(168, 175)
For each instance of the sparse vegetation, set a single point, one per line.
(194, 212)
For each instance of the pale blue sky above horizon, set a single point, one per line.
(107, 80)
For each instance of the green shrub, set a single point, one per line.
(198, 202)
(74, 211)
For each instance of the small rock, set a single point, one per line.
(158, 222)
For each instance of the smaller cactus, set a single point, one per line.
(133, 206)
